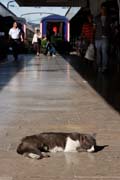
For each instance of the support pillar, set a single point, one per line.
(119, 9)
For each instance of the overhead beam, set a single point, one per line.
(63, 3)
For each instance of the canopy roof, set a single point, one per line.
(72, 3)
(54, 17)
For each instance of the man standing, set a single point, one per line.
(102, 32)
(15, 38)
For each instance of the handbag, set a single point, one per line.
(90, 52)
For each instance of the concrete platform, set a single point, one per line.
(47, 94)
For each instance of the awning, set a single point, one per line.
(73, 3)
(72, 12)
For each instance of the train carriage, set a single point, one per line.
(55, 26)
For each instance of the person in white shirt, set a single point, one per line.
(36, 41)
(15, 37)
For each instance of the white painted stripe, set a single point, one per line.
(41, 28)
(68, 31)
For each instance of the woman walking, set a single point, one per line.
(36, 41)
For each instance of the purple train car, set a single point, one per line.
(55, 26)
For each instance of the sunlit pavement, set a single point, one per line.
(44, 93)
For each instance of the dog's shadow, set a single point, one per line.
(100, 148)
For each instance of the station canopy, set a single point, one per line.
(72, 3)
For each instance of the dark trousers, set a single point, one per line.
(36, 47)
(15, 47)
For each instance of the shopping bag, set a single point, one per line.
(90, 52)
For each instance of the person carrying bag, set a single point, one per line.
(87, 34)
(90, 52)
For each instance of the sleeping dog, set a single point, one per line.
(37, 146)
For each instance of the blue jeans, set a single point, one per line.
(102, 52)
(52, 50)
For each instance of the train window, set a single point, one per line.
(55, 30)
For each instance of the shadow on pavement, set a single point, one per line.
(107, 85)
(10, 68)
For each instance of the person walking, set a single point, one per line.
(36, 41)
(87, 34)
(87, 29)
(15, 37)
(102, 32)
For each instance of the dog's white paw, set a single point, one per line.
(34, 156)
(92, 149)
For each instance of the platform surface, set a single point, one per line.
(41, 94)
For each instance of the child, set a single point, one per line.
(50, 49)
(36, 41)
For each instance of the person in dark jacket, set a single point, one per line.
(102, 32)
(50, 49)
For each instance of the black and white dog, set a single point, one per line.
(36, 146)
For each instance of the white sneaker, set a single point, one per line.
(54, 55)
(48, 53)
